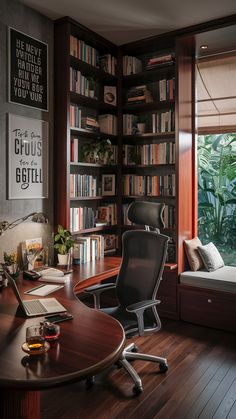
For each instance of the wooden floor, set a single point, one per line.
(200, 382)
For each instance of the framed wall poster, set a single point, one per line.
(28, 70)
(27, 158)
(108, 185)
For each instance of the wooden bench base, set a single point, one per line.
(207, 307)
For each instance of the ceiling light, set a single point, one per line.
(203, 46)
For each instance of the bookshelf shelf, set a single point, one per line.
(93, 198)
(148, 107)
(158, 167)
(92, 71)
(91, 135)
(90, 102)
(147, 75)
(84, 164)
(95, 229)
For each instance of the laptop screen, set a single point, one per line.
(15, 290)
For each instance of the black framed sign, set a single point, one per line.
(28, 70)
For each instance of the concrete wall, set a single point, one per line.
(22, 18)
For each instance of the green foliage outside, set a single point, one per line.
(217, 193)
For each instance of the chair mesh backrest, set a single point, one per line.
(147, 214)
(144, 254)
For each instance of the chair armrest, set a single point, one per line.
(142, 305)
(138, 309)
(97, 290)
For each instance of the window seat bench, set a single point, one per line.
(209, 298)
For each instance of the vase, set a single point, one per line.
(63, 259)
(141, 127)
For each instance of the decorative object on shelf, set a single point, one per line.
(108, 185)
(110, 95)
(28, 56)
(141, 124)
(37, 217)
(27, 158)
(63, 242)
(92, 87)
(10, 264)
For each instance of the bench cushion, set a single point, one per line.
(222, 279)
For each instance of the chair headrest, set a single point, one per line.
(147, 214)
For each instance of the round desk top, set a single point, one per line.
(88, 344)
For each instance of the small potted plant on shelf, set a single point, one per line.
(10, 264)
(63, 242)
(141, 124)
(105, 151)
(92, 87)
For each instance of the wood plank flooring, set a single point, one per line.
(200, 382)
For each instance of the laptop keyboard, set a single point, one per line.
(34, 307)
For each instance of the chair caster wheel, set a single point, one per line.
(137, 390)
(90, 382)
(134, 349)
(163, 368)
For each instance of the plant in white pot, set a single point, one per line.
(63, 242)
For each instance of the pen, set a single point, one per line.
(33, 289)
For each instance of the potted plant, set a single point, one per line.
(105, 151)
(141, 124)
(92, 86)
(10, 264)
(63, 242)
(90, 152)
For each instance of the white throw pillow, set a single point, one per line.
(211, 257)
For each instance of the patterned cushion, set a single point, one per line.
(192, 253)
(211, 257)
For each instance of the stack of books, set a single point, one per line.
(160, 60)
(90, 124)
(131, 65)
(139, 94)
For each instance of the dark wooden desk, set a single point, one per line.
(88, 344)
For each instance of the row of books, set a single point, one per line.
(131, 65)
(83, 218)
(106, 123)
(169, 216)
(90, 55)
(163, 121)
(163, 89)
(139, 94)
(147, 185)
(80, 84)
(160, 60)
(88, 248)
(148, 154)
(108, 63)
(83, 186)
(129, 124)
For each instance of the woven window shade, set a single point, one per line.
(216, 94)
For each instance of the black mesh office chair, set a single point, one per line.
(144, 254)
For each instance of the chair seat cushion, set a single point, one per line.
(222, 279)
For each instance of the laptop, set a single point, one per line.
(39, 307)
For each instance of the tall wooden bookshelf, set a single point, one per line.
(178, 136)
(78, 104)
